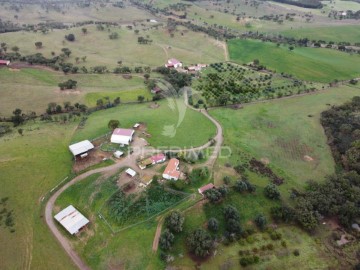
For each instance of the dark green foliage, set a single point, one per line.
(174, 221)
(240, 186)
(271, 191)
(6, 215)
(213, 224)
(199, 175)
(232, 223)
(113, 124)
(213, 195)
(17, 117)
(200, 243)
(4, 128)
(296, 252)
(260, 221)
(166, 240)
(69, 84)
(114, 35)
(70, 37)
(282, 214)
(245, 261)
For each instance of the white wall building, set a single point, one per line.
(71, 219)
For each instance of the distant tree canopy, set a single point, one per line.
(113, 124)
(69, 84)
(70, 37)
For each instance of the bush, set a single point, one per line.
(260, 221)
(213, 224)
(296, 252)
(272, 192)
(69, 84)
(200, 242)
(174, 221)
(166, 240)
(70, 37)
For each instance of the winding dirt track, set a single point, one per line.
(129, 161)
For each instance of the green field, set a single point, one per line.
(169, 126)
(30, 166)
(32, 89)
(284, 131)
(126, 48)
(348, 33)
(321, 65)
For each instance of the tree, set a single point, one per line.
(174, 221)
(260, 221)
(141, 99)
(17, 117)
(70, 37)
(291, 48)
(84, 30)
(114, 35)
(213, 195)
(213, 224)
(69, 84)
(20, 131)
(200, 243)
(66, 51)
(166, 240)
(240, 186)
(100, 103)
(38, 44)
(113, 124)
(15, 49)
(271, 191)
(117, 100)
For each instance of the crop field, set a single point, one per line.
(286, 133)
(348, 33)
(32, 89)
(171, 124)
(240, 84)
(321, 65)
(126, 48)
(30, 166)
(130, 249)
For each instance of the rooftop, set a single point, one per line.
(71, 219)
(205, 188)
(171, 168)
(81, 147)
(123, 132)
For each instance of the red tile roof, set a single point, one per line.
(4, 62)
(157, 158)
(205, 188)
(171, 168)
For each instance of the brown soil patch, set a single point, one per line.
(154, 106)
(293, 148)
(68, 92)
(265, 160)
(94, 157)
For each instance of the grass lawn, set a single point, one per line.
(321, 65)
(349, 33)
(283, 132)
(30, 166)
(169, 125)
(130, 249)
(32, 89)
(126, 48)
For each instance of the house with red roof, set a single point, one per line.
(172, 170)
(4, 62)
(122, 136)
(205, 188)
(173, 63)
(159, 158)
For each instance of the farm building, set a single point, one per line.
(159, 158)
(71, 219)
(156, 90)
(81, 148)
(130, 172)
(145, 180)
(172, 170)
(136, 125)
(122, 136)
(4, 62)
(173, 63)
(205, 188)
(118, 154)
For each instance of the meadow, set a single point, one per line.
(33, 89)
(284, 132)
(320, 65)
(344, 33)
(126, 48)
(30, 166)
(171, 124)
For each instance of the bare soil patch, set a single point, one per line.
(67, 92)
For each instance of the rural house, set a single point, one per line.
(205, 188)
(173, 63)
(81, 148)
(122, 136)
(172, 170)
(4, 62)
(159, 158)
(71, 219)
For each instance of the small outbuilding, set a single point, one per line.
(136, 125)
(145, 180)
(118, 154)
(130, 172)
(173, 63)
(71, 219)
(172, 170)
(122, 136)
(81, 148)
(205, 188)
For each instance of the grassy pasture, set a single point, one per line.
(350, 33)
(32, 89)
(30, 166)
(126, 48)
(321, 65)
(160, 123)
(130, 249)
(284, 131)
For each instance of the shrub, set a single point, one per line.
(260, 221)
(70, 37)
(213, 224)
(296, 252)
(272, 192)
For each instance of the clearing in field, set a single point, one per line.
(321, 65)
(287, 133)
